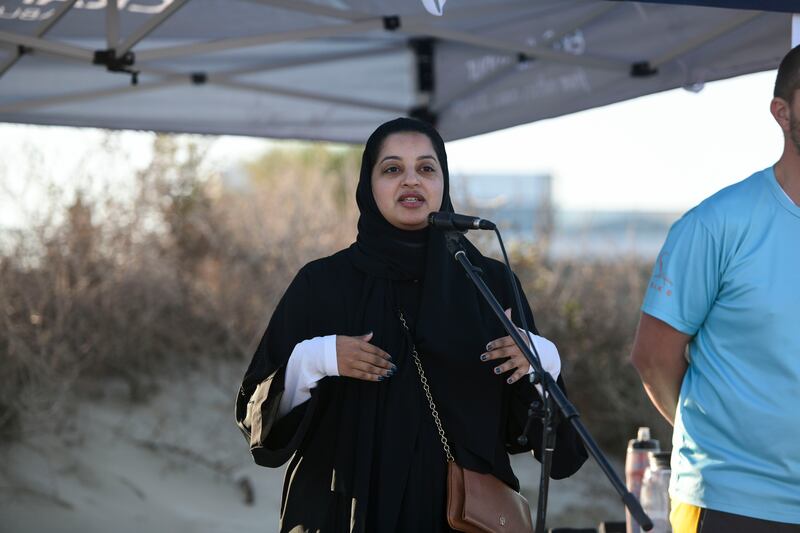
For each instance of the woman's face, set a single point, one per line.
(407, 180)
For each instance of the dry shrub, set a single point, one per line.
(185, 268)
(149, 285)
(590, 308)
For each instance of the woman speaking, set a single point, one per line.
(336, 384)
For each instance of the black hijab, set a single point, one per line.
(382, 249)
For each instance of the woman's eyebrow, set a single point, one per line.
(397, 158)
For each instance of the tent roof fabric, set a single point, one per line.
(334, 69)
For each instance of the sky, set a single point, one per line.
(663, 152)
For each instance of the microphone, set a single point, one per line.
(454, 222)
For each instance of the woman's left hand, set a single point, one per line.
(505, 347)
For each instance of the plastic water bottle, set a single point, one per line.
(655, 492)
(636, 461)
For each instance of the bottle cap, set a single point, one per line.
(644, 441)
(659, 460)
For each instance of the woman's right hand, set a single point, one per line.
(359, 359)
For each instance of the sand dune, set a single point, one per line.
(177, 463)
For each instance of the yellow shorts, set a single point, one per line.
(684, 517)
(688, 518)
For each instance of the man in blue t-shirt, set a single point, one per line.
(727, 286)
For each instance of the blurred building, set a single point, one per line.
(610, 234)
(520, 204)
(523, 208)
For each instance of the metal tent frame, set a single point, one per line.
(144, 48)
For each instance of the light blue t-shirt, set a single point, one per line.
(729, 275)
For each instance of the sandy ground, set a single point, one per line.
(177, 463)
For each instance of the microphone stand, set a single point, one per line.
(549, 416)
(553, 399)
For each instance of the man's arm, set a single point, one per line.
(659, 356)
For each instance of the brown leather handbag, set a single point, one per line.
(476, 503)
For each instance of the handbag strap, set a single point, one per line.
(427, 390)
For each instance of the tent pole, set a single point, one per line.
(83, 96)
(314, 60)
(316, 97)
(145, 29)
(469, 90)
(43, 29)
(334, 30)
(700, 40)
(515, 48)
(51, 47)
(583, 21)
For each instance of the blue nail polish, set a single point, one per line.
(381, 378)
(510, 381)
(497, 370)
(489, 346)
(484, 357)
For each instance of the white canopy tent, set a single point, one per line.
(334, 69)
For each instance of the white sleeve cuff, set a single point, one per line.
(548, 355)
(311, 360)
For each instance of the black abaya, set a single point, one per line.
(404, 489)
(366, 456)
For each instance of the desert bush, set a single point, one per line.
(187, 267)
(590, 309)
(151, 283)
